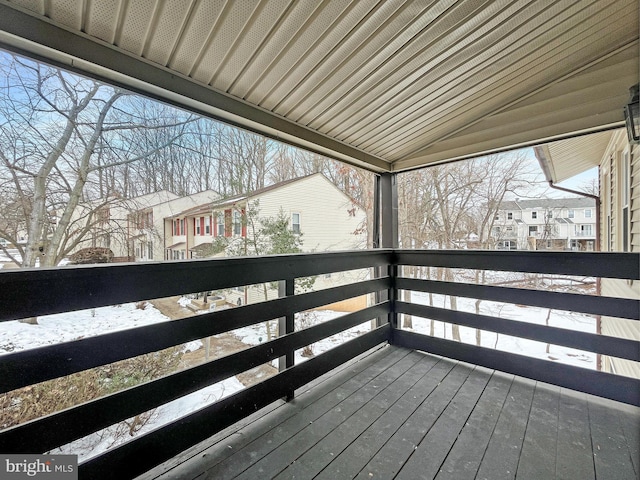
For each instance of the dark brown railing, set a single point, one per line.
(74, 288)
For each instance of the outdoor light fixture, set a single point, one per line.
(632, 115)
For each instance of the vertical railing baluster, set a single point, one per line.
(393, 296)
(286, 325)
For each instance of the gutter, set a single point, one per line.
(545, 164)
(587, 195)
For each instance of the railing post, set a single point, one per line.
(386, 235)
(286, 325)
(393, 296)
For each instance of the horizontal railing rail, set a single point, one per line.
(72, 288)
(83, 287)
(575, 302)
(588, 264)
(597, 264)
(36, 365)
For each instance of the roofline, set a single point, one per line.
(256, 193)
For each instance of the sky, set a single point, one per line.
(577, 182)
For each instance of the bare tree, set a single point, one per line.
(60, 137)
(454, 206)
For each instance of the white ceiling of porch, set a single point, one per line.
(389, 84)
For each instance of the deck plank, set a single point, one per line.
(397, 413)
(428, 457)
(388, 461)
(328, 388)
(353, 458)
(377, 395)
(383, 406)
(541, 435)
(574, 457)
(466, 454)
(630, 423)
(612, 457)
(500, 460)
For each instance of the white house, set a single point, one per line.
(134, 228)
(325, 216)
(619, 173)
(146, 230)
(546, 224)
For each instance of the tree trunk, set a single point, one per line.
(546, 322)
(455, 329)
(407, 321)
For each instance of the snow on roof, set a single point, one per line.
(542, 203)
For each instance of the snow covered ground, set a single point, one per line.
(15, 336)
(65, 327)
(256, 334)
(52, 329)
(561, 319)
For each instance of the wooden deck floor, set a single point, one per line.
(402, 414)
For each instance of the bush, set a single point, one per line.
(35, 401)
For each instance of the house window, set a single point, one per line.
(625, 184)
(509, 229)
(572, 213)
(534, 215)
(181, 226)
(237, 222)
(295, 222)
(587, 213)
(586, 230)
(149, 219)
(497, 216)
(150, 250)
(220, 220)
(533, 230)
(207, 225)
(509, 215)
(549, 214)
(196, 221)
(103, 215)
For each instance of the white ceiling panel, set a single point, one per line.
(167, 27)
(102, 19)
(197, 37)
(137, 20)
(386, 84)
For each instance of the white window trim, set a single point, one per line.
(293, 223)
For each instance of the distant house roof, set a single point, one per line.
(548, 203)
(231, 201)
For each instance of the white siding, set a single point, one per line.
(612, 208)
(325, 221)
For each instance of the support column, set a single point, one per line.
(387, 237)
(388, 187)
(286, 325)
